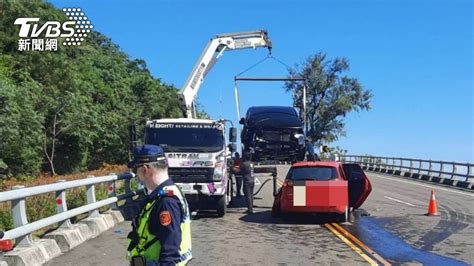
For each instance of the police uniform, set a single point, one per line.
(161, 232)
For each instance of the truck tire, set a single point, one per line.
(221, 206)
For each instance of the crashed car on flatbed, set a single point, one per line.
(322, 187)
(274, 133)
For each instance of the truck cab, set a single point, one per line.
(197, 156)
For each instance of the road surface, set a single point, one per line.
(389, 228)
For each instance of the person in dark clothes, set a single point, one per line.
(249, 182)
(238, 175)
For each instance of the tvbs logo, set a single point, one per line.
(50, 28)
(37, 36)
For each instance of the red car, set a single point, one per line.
(322, 187)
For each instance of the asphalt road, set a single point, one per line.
(390, 227)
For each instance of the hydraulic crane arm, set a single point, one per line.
(214, 49)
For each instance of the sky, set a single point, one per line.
(415, 56)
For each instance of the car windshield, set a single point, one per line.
(186, 137)
(313, 173)
(274, 120)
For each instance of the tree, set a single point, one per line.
(330, 94)
(68, 110)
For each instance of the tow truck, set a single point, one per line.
(196, 148)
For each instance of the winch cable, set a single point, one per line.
(269, 56)
(237, 77)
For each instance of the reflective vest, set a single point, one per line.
(148, 245)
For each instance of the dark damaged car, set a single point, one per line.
(274, 133)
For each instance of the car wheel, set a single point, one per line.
(276, 209)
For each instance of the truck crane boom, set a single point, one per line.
(213, 51)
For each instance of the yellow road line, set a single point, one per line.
(343, 234)
(351, 245)
(360, 244)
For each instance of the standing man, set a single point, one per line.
(161, 232)
(236, 170)
(249, 182)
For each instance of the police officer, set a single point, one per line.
(161, 232)
(249, 182)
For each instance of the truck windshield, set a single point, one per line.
(189, 137)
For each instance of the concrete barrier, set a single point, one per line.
(67, 238)
(97, 225)
(109, 220)
(425, 177)
(61, 240)
(415, 175)
(84, 229)
(38, 253)
(435, 179)
(449, 182)
(117, 216)
(463, 184)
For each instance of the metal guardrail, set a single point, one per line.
(443, 169)
(17, 196)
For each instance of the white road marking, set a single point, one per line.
(401, 201)
(425, 185)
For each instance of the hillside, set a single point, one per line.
(68, 110)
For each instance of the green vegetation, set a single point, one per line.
(68, 110)
(331, 95)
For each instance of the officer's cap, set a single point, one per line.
(147, 154)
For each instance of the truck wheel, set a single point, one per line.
(221, 206)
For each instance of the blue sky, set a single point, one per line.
(415, 56)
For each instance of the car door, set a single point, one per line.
(359, 184)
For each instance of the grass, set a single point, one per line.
(44, 205)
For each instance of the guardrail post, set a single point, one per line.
(430, 167)
(393, 164)
(61, 205)
(401, 165)
(441, 169)
(469, 172)
(454, 170)
(411, 167)
(20, 218)
(419, 167)
(111, 193)
(91, 197)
